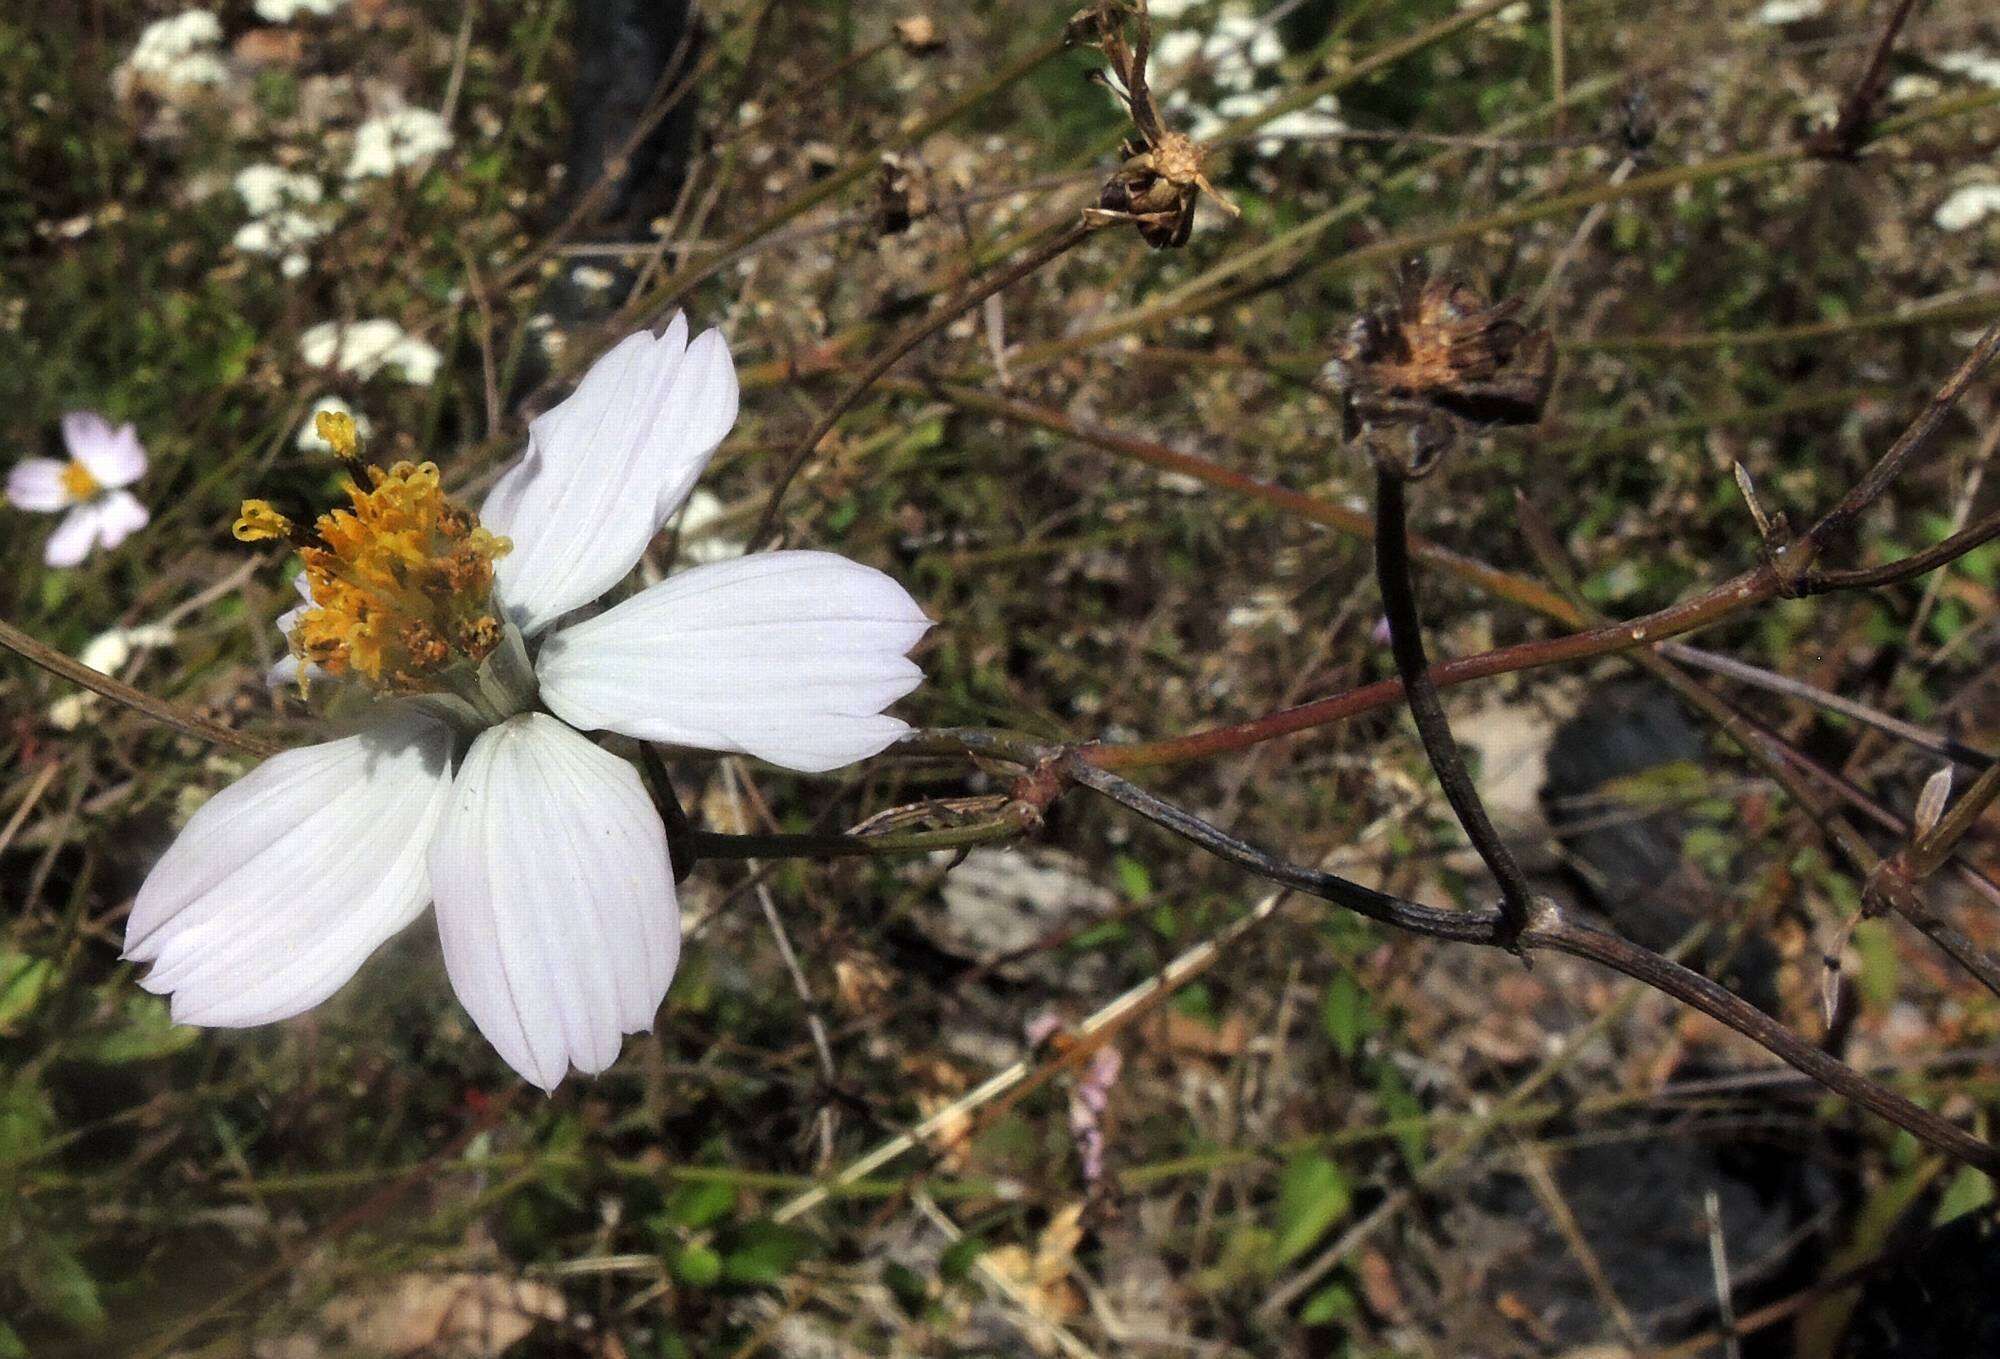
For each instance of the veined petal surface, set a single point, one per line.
(283, 883)
(555, 901)
(787, 656)
(605, 467)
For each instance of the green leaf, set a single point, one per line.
(701, 1203)
(764, 1253)
(1346, 1015)
(1406, 1112)
(1313, 1196)
(1133, 879)
(23, 983)
(697, 1266)
(907, 1286)
(62, 1287)
(24, 1119)
(1969, 1191)
(147, 1032)
(1876, 980)
(959, 1257)
(10, 1343)
(1333, 1303)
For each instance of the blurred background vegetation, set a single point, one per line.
(1335, 1141)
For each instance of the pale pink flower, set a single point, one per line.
(90, 487)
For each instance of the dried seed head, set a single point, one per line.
(1161, 180)
(1440, 350)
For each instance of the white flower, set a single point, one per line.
(1780, 12)
(266, 188)
(541, 851)
(1968, 207)
(699, 542)
(1974, 64)
(309, 440)
(179, 51)
(284, 11)
(90, 486)
(106, 653)
(365, 348)
(403, 137)
(278, 234)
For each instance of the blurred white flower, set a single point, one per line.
(266, 188)
(105, 653)
(1908, 88)
(478, 792)
(310, 439)
(277, 234)
(366, 348)
(592, 278)
(281, 221)
(179, 51)
(90, 487)
(405, 136)
(1972, 63)
(699, 542)
(284, 11)
(1780, 12)
(1968, 206)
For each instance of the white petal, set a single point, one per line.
(119, 516)
(284, 882)
(554, 898)
(788, 656)
(112, 455)
(604, 468)
(72, 540)
(37, 484)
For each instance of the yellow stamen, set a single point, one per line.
(78, 481)
(337, 428)
(402, 582)
(259, 522)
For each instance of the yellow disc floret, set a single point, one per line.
(259, 522)
(77, 480)
(337, 428)
(402, 582)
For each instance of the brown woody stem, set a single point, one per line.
(1406, 642)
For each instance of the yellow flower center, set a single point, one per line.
(402, 581)
(78, 481)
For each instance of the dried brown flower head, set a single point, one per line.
(1157, 187)
(1436, 355)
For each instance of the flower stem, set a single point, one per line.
(1406, 642)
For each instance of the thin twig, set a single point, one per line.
(1771, 681)
(939, 317)
(160, 710)
(1176, 974)
(1842, 140)
(1549, 928)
